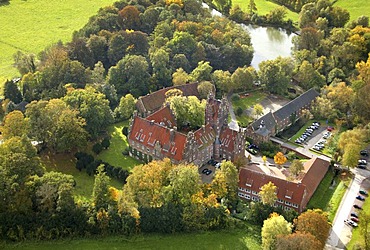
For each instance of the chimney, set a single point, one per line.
(172, 135)
(151, 122)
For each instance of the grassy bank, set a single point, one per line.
(32, 25)
(231, 239)
(356, 8)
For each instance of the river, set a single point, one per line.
(268, 42)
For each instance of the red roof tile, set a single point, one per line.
(227, 138)
(148, 133)
(154, 101)
(286, 190)
(164, 117)
(205, 136)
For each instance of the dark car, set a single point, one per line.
(355, 219)
(253, 146)
(364, 153)
(360, 197)
(357, 206)
(361, 166)
(209, 172)
(204, 170)
(363, 192)
(353, 214)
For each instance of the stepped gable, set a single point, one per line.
(154, 101)
(164, 117)
(286, 190)
(295, 105)
(151, 135)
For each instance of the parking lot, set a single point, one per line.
(207, 172)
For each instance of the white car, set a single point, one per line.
(362, 162)
(326, 135)
(351, 223)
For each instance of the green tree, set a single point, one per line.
(25, 63)
(296, 167)
(277, 15)
(223, 6)
(272, 227)
(243, 78)
(205, 88)
(180, 77)
(12, 92)
(252, 7)
(92, 106)
(257, 110)
(15, 124)
(125, 108)
(101, 195)
(202, 72)
(225, 182)
(222, 80)
(268, 193)
(160, 60)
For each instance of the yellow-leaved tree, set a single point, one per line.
(279, 158)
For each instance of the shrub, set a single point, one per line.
(105, 143)
(125, 131)
(235, 97)
(239, 111)
(97, 148)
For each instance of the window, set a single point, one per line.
(248, 197)
(280, 200)
(248, 191)
(241, 195)
(254, 192)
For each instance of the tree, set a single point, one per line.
(279, 158)
(160, 60)
(272, 227)
(243, 78)
(296, 167)
(314, 222)
(101, 195)
(222, 80)
(180, 77)
(202, 72)
(129, 18)
(351, 156)
(25, 63)
(223, 6)
(298, 241)
(14, 125)
(257, 110)
(125, 108)
(226, 182)
(12, 92)
(92, 106)
(252, 8)
(57, 126)
(268, 193)
(364, 226)
(323, 108)
(277, 15)
(205, 88)
(264, 159)
(188, 110)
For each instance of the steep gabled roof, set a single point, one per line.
(286, 190)
(294, 105)
(205, 136)
(268, 120)
(149, 133)
(227, 138)
(316, 170)
(154, 101)
(164, 117)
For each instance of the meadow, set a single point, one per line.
(32, 25)
(356, 8)
(232, 239)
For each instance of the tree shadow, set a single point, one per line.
(6, 3)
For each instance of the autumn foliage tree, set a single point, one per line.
(279, 158)
(298, 241)
(15, 124)
(268, 193)
(296, 167)
(272, 227)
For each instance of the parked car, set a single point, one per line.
(318, 147)
(362, 162)
(361, 166)
(357, 206)
(330, 128)
(218, 165)
(254, 146)
(209, 172)
(363, 192)
(252, 151)
(353, 214)
(326, 135)
(351, 223)
(360, 197)
(364, 153)
(355, 219)
(205, 170)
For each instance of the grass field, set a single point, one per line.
(118, 143)
(355, 7)
(264, 7)
(245, 103)
(230, 239)
(327, 197)
(65, 163)
(32, 25)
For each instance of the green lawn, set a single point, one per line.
(118, 143)
(65, 163)
(32, 25)
(264, 7)
(355, 7)
(327, 197)
(232, 239)
(247, 102)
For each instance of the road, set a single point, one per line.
(233, 123)
(341, 233)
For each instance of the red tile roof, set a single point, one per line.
(148, 133)
(227, 138)
(317, 169)
(164, 117)
(289, 191)
(205, 136)
(154, 101)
